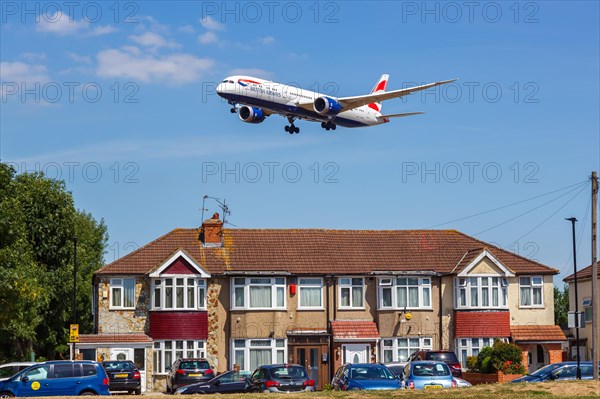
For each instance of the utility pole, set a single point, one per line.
(573, 220)
(595, 302)
(74, 288)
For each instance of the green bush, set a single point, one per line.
(501, 356)
(472, 363)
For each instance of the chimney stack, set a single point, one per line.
(211, 232)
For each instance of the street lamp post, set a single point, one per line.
(573, 220)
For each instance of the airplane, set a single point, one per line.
(254, 99)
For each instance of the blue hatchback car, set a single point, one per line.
(563, 371)
(428, 375)
(365, 376)
(57, 378)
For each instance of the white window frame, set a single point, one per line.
(423, 343)
(393, 283)
(532, 286)
(159, 291)
(118, 283)
(588, 309)
(278, 347)
(196, 348)
(304, 285)
(350, 286)
(464, 284)
(472, 347)
(277, 284)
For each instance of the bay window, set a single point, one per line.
(531, 291)
(351, 292)
(404, 293)
(471, 347)
(399, 349)
(481, 292)
(258, 293)
(251, 353)
(166, 352)
(178, 293)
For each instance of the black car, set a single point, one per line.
(188, 371)
(280, 378)
(123, 375)
(228, 382)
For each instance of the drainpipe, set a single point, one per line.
(329, 348)
(440, 312)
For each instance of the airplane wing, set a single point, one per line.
(349, 103)
(400, 115)
(358, 101)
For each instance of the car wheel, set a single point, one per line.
(87, 393)
(6, 395)
(138, 391)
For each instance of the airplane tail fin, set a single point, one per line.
(379, 87)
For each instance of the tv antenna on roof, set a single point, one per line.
(222, 204)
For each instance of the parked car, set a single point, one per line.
(57, 378)
(123, 375)
(563, 371)
(280, 378)
(228, 382)
(188, 371)
(428, 375)
(367, 376)
(447, 357)
(9, 369)
(396, 368)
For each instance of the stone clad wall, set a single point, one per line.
(123, 321)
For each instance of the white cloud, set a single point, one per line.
(267, 40)
(208, 38)
(20, 72)
(60, 24)
(187, 29)
(83, 59)
(210, 24)
(175, 69)
(103, 30)
(153, 40)
(259, 73)
(29, 56)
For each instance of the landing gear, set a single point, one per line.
(328, 125)
(291, 129)
(233, 110)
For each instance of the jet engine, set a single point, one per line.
(327, 106)
(251, 114)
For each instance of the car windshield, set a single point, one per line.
(113, 366)
(371, 373)
(448, 357)
(6, 372)
(288, 372)
(545, 370)
(194, 365)
(396, 369)
(431, 370)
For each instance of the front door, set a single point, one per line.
(356, 353)
(136, 355)
(310, 357)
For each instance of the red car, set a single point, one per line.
(447, 357)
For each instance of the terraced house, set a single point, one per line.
(316, 297)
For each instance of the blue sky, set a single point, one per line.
(118, 100)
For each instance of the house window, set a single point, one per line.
(251, 353)
(351, 292)
(399, 349)
(531, 289)
(481, 292)
(404, 293)
(122, 293)
(471, 347)
(258, 293)
(180, 293)
(310, 293)
(587, 309)
(166, 352)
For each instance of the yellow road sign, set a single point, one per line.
(74, 333)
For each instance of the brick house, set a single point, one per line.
(317, 297)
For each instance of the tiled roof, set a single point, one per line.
(113, 338)
(320, 251)
(582, 274)
(344, 330)
(482, 324)
(537, 333)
